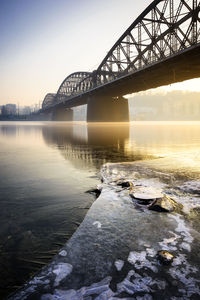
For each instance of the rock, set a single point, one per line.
(165, 204)
(95, 192)
(124, 184)
(165, 257)
(100, 187)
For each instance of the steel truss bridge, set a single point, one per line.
(161, 46)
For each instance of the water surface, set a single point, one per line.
(46, 168)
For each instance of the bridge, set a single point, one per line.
(161, 47)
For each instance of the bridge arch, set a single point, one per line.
(48, 100)
(69, 85)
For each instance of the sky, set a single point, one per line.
(43, 41)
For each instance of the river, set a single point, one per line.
(46, 169)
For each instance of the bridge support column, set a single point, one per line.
(62, 114)
(107, 109)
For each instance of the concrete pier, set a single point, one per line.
(107, 109)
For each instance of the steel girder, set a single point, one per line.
(84, 85)
(48, 100)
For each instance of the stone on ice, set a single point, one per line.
(165, 257)
(145, 193)
(124, 184)
(164, 204)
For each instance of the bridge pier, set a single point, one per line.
(107, 109)
(61, 113)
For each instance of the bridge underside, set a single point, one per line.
(107, 109)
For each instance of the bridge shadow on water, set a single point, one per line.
(91, 145)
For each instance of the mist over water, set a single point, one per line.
(46, 168)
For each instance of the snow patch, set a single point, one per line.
(183, 229)
(139, 260)
(63, 253)
(192, 186)
(97, 224)
(61, 271)
(119, 264)
(134, 283)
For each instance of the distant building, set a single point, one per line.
(26, 110)
(9, 110)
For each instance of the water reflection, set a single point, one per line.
(8, 131)
(91, 145)
(157, 136)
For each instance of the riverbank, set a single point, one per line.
(113, 254)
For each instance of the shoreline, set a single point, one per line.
(113, 252)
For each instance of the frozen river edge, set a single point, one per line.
(113, 253)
